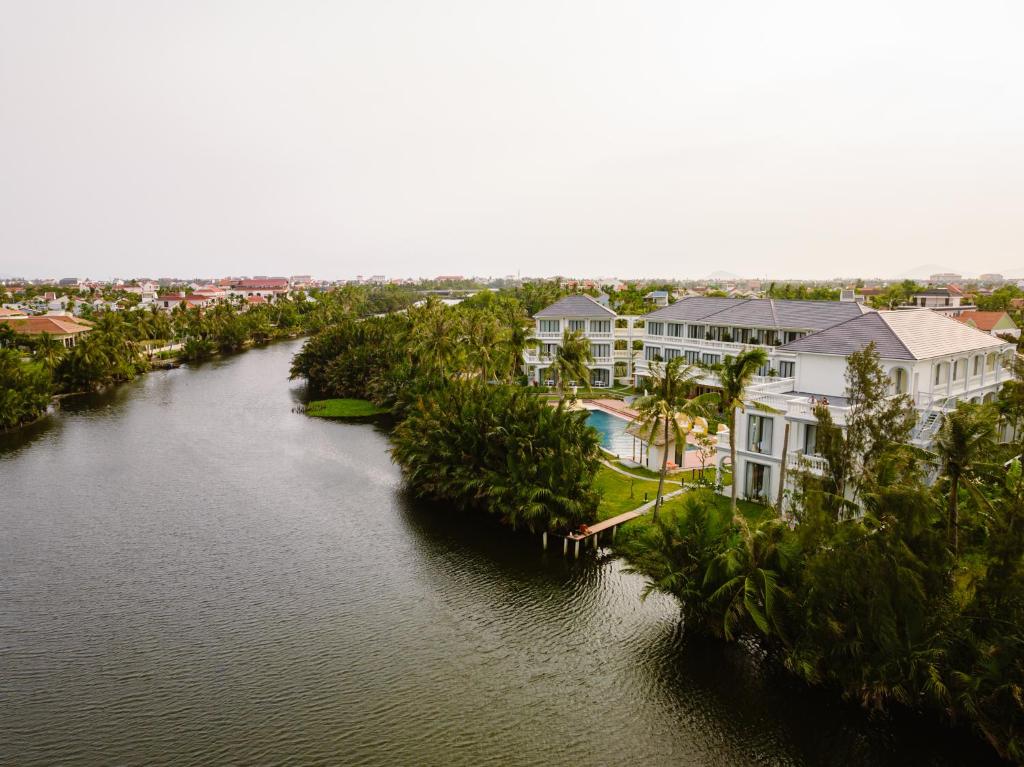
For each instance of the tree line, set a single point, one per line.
(117, 347)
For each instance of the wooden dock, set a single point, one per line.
(594, 531)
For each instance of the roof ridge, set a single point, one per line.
(881, 316)
(775, 316)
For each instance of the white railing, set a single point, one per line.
(554, 334)
(814, 463)
(598, 335)
(601, 361)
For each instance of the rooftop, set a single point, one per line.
(759, 312)
(907, 334)
(576, 306)
(55, 326)
(986, 321)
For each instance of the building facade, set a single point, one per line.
(932, 359)
(611, 339)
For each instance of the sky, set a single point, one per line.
(540, 137)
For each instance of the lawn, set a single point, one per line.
(620, 494)
(343, 408)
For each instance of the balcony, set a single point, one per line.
(815, 464)
(534, 357)
(707, 344)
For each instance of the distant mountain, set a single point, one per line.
(924, 271)
(720, 275)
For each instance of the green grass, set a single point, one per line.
(620, 494)
(343, 408)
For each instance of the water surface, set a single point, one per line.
(191, 572)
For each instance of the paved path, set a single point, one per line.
(625, 473)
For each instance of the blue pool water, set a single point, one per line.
(613, 433)
(614, 436)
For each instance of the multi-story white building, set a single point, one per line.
(706, 330)
(611, 340)
(931, 358)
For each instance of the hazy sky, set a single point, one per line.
(482, 137)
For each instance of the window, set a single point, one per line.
(977, 365)
(652, 353)
(580, 325)
(710, 359)
(600, 326)
(990, 362)
(549, 350)
(549, 326)
(600, 350)
(759, 434)
(957, 370)
(674, 329)
(692, 358)
(671, 354)
(787, 369)
(941, 373)
(695, 331)
(758, 480)
(899, 380)
(810, 439)
(655, 328)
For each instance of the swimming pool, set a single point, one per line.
(613, 432)
(614, 436)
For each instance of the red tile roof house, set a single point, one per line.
(269, 289)
(170, 300)
(994, 323)
(64, 329)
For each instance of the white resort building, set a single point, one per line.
(929, 356)
(611, 340)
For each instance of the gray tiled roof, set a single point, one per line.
(852, 336)
(905, 334)
(576, 306)
(759, 312)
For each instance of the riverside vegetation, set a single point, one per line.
(891, 591)
(33, 369)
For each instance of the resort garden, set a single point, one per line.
(893, 591)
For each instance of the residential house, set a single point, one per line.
(948, 300)
(67, 330)
(657, 297)
(997, 324)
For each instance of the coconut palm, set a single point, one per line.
(734, 377)
(572, 358)
(48, 352)
(670, 410)
(437, 335)
(966, 436)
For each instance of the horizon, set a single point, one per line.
(790, 141)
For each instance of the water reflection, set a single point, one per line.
(191, 572)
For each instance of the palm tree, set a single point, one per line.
(48, 352)
(966, 435)
(670, 409)
(572, 358)
(748, 571)
(436, 338)
(734, 377)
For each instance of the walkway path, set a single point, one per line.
(625, 473)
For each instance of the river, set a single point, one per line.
(191, 572)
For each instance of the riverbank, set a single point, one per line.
(185, 544)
